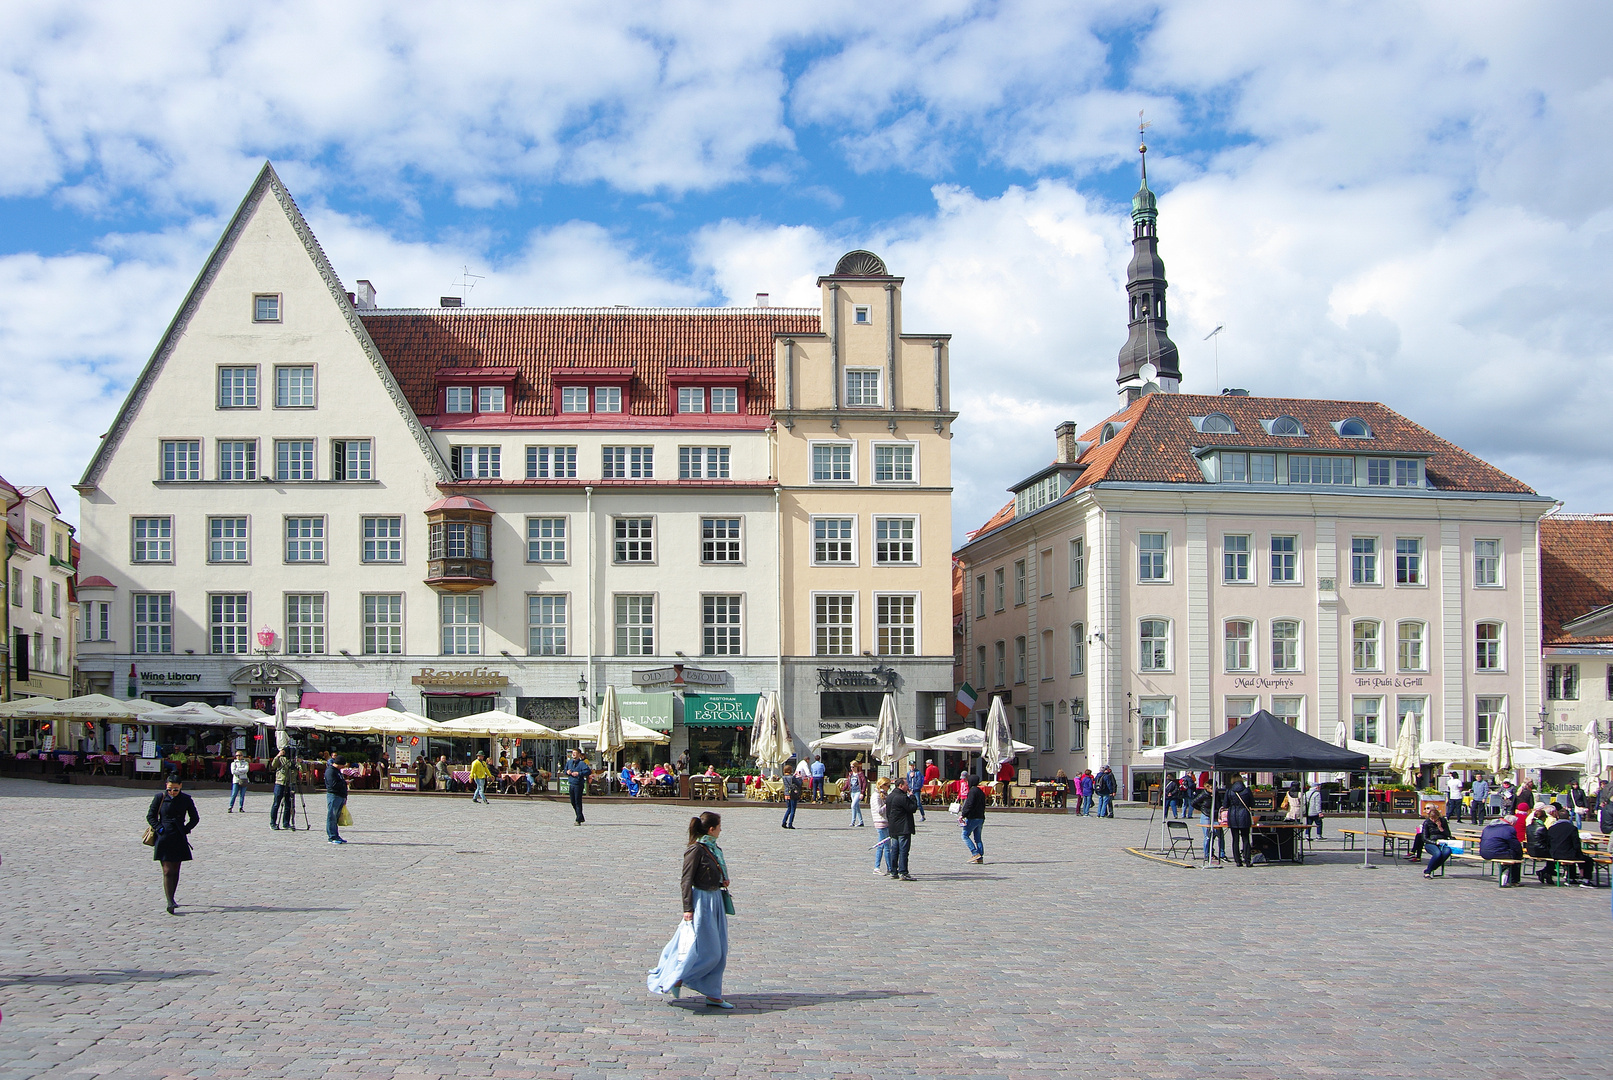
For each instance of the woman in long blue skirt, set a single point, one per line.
(697, 955)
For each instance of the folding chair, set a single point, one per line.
(1178, 833)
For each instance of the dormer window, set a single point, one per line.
(691, 399)
(1284, 425)
(591, 390)
(574, 399)
(461, 399)
(608, 399)
(725, 399)
(1353, 428)
(1217, 424)
(467, 391)
(490, 399)
(1110, 430)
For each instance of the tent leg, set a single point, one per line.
(1366, 821)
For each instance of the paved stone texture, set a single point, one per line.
(452, 940)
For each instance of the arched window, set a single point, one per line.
(1153, 645)
(1218, 423)
(1286, 425)
(1110, 430)
(1240, 654)
(1365, 640)
(1355, 428)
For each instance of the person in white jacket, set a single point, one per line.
(238, 773)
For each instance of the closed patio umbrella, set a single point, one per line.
(1406, 758)
(999, 743)
(282, 737)
(771, 745)
(1593, 752)
(890, 744)
(1499, 760)
(610, 740)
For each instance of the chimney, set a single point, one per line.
(1068, 450)
(761, 299)
(365, 294)
(450, 301)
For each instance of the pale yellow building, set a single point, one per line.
(863, 429)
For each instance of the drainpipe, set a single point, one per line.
(940, 396)
(789, 383)
(778, 578)
(834, 356)
(890, 352)
(588, 570)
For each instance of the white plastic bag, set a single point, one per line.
(685, 940)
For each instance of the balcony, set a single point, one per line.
(459, 552)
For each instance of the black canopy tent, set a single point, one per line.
(1264, 743)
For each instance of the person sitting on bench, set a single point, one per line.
(1562, 838)
(1500, 841)
(1435, 827)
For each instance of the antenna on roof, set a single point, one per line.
(467, 282)
(1216, 334)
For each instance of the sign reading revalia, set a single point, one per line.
(445, 677)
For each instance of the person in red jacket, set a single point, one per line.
(1006, 773)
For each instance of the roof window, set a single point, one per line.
(1283, 425)
(1216, 423)
(1110, 430)
(1353, 428)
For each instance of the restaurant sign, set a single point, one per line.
(170, 678)
(647, 710)
(474, 678)
(719, 710)
(679, 675)
(879, 678)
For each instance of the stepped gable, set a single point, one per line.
(417, 343)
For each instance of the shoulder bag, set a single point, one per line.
(727, 902)
(149, 837)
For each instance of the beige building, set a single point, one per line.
(864, 426)
(1576, 568)
(41, 608)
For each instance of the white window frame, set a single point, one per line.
(854, 539)
(1022, 659)
(551, 462)
(1169, 665)
(1078, 649)
(1228, 557)
(1376, 581)
(618, 626)
(571, 397)
(980, 596)
(313, 385)
(999, 587)
(1251, 648)
(1500, 557)
(856, 622)
(691, 399)
(245, 540)
(737, 625)
(373, 630)
(1022, 588)
(848, 445)
(1422, 645)
(729, 403)
(1421, 556)
(1078, 562)
(214, 626)
(1500, 646)
(187, 463)
(459, 400)
(1047, 728)
(999, 656)
(310, 460)
(486, 461)
(249, 387)
(1137, 556)
(490, 399)
(912, 449)
(862, 315)
(257, 307)
(164, 540)
(558, 628)
(1356, 652)
(1155, 728)
(162, 626)
(534, 541)
(610, 400)
(318, 625)
(471, 638)
(1299, 717)
(381, 542)
(343, 465)
(911, 519)
(862, 374)
(1227, 715)
(1498, 719)
(248, 470)
(652, 538)
(1298, 555)
(1298, 667)
(738, 541)
(1376, 700)
(704, 462)
(318, 542)
(1402, 701)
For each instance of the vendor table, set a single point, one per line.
(1286, 836)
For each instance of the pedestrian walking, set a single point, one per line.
(1453, 797)
(1313, 808)
(172, 815)
(1208, 809)
(819, 770)
(285, 777)
(915, 785)
(335, 799)
(972, 816)
(577, 771)
(1171, 792)
(697, 956)
(1104, 786)
(1240, 821)
(239, 768)
(479, 775)
(856, 785)
(1480, 800)
(899, 809)
(882, 832)
(1083, 787)
(792, 796)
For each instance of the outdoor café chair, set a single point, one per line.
(1181, 837)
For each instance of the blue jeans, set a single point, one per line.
(789, 811)
(238, 791)
(817, 788)
(1083, 804)
(857, 808)
(1106, 806)
(333, 810)
(971, 836)
(882, 851)
(280, 807)
(1437, 854)
(1220, 839)
(900, 845)
(481, 790)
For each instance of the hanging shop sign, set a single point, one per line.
(445, 677)
(719, 710)
(675, 675)
(171, 678)
(647, 710)
(878, 678)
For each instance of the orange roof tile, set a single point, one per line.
(1576, 573)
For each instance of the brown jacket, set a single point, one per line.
(700, 871)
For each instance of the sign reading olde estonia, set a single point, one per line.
(679, 675)
(476, 678)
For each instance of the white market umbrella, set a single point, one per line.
(495, 723)
(966, 741)
(1158, 753)
(1592, 754)
(1406, 757)
(395, 722)
(1533, 757)
(1377, 754)
(770, 744)
(191, 712)
(610, 740)
(84, 707)
(315, 720)
(890, 743)
(860, 737)
(999, 740)
(1449, 753)
(631, 733)
(1499, 759)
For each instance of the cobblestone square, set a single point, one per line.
(453, 940)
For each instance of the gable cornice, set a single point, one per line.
(267, 182)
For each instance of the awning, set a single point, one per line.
(719, 710)
(648, 710)
(459, 693)
(342, 704)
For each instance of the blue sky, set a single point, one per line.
(1392, 201)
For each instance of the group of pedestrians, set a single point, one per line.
(1095, 792)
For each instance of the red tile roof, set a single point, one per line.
(1576, 572)
(418, 344)
(1157, 441)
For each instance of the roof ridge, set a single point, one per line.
(590, 309)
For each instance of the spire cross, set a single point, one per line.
(1142, 148)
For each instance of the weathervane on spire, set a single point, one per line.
(1142, 145)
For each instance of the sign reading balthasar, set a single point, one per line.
(444, 677)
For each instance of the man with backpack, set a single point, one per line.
(1105, 787)
(792, 795)
(1173, 798)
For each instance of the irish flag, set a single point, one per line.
(966, 700)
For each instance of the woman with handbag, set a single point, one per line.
(170, 819)
(1240, 821)
(697, 955)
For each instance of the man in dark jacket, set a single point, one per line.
(1604, 806)
(973, 813)
(1562, 838)
(1499, 840)
(899, 810)
(335, 798)
(1105, 787)
(792, 794)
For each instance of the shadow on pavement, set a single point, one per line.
(255, 909)
(98, 978)
(785, 999)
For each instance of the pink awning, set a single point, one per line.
(342, 704)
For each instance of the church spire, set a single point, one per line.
(1147, 341)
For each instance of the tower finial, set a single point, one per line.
(1142, 144)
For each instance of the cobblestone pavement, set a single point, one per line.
(452, 940)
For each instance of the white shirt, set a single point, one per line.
(1454, 786)
(239, 769)
(803, 770)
